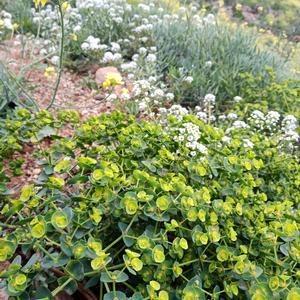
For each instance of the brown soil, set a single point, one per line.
(72, 92)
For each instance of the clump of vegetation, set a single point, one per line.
(193, 201)
(214, 56)
(282, 96)
(279, 16)
(131, 218)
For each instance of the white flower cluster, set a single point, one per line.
(110, 57)
(147, 93)
(238, 124)
(175, 110)
(247, 143)
(289, 125)
(5, 21)
(92, 44)
(47, 20)
(129, 67)
(206, 111)
(262, 122)
(285, 130)
(188, 79)
(271, 123)
(189, 135)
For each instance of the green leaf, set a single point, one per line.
(116, 276)
(193, 293)
(45, 132)
(71, 287)
(75, 269)
(260, 291)
(115, 296)
(148, 164)
(42, 293)
(33, 259)
(137, 296)
(7, 249)
(78, 178)
(60, 220)
(294, 294)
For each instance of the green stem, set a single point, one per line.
(189, 262)
(116, 267)
(8, 225)
(113, 243)
(101, 291)
(45, 251)
(129, 286)
(61, 53)
(60, 288)
(107, 287)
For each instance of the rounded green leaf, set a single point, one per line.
(60, 220)
(163, 203)
(158, 254)
(38, 230)
(294, 294)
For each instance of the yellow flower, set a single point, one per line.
(49, 72)
(74, 37)
(260, 9)
(1, 23)
(40, 2)
(15, 26)
(65, 6)
(112, 79)
(238, 7)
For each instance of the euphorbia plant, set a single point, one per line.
(120, 210)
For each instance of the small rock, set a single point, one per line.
(36, 171)
(99, 97)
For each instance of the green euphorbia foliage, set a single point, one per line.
(121, 208)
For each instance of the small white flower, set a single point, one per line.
(193, 153)
(226, 139)
(170, 96)
(247, 143)
(55, 60)
(210, 98)
(208, 64)
(188, 79)
(151, 58)
(237, 99)
(232, 116)
(115, 47)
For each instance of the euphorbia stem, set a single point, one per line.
(61, 53)
(60, 288)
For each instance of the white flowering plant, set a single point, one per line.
(7, 26)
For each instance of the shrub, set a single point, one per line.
(20, 9)
(124, 206)
(282, 96)
(214, 55)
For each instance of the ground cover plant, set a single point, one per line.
(185, 186)
(142, 220)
